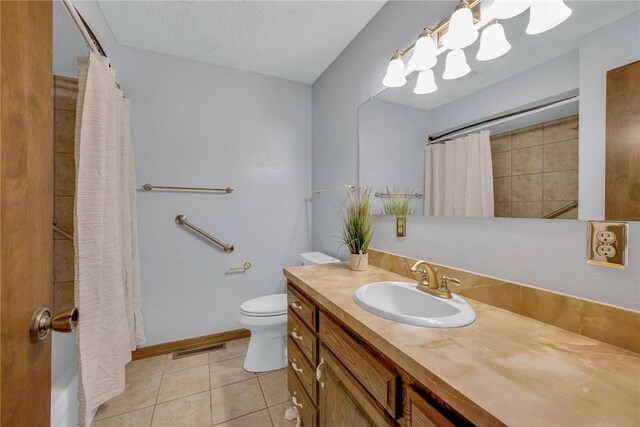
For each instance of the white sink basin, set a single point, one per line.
(404, 303)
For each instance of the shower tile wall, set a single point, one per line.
(535, 169)
(66, 94)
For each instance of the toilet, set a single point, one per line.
(266, 318)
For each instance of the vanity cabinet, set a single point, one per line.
(421, 413)
(343, 400)
(337, 379)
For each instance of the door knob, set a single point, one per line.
(42, 323)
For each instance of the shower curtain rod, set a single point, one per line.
(442, 138)
(94, 45)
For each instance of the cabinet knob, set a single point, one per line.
(295, 402)
(295, 367)
(295, 335)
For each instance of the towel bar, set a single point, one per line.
(182, 220)
(150, 187)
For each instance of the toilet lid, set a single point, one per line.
(268, 305)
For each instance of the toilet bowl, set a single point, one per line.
(266, 318)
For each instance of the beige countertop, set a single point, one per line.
(504, 366)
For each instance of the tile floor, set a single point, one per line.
(207, 389)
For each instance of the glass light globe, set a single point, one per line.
(426, 83)
(547, 14)
(424, 53)
(456, 65)
(505, 9)
(461, 32)
(395, 72)
(493, 42)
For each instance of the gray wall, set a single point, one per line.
(392, 138)
(546, 254)
(206, 125)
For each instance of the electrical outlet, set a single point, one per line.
(606, 236)
(607, 251)
(607, 244)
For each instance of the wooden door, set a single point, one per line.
(26, 208)
(622, 191)
(343, 401)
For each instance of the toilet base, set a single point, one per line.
(268, 343)
(266, 353)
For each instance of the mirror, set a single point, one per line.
(522, 135)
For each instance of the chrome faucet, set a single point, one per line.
(429, 281)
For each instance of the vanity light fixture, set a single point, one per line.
(395, 76)
(505, 9)
(493, 42)
(424, 52)
(456, 65)
(426, 83)
(461, 31)
(547, 14)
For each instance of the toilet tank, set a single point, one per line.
(313, 258)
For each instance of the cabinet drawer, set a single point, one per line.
(308, 411)
(304, 338)
(422, 414)
(304, 371)
(376, 377)
(303, 308)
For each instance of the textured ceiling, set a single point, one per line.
(295, 40)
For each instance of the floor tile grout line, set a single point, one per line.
(235, 418)
(270, 417)
(190, 367)
(209, 363)
(224, 360)
(182, 397)
(164, 366)
(158, 391)
(124, 413)
(210, 405)
(176, 398)
(202, 391)
(234, 382)
(264, 398)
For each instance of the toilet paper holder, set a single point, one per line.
(244, 267)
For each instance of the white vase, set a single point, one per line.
(359, 262)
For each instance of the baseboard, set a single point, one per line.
(189, 343)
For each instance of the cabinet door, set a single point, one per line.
(423, 414)
(343, 401)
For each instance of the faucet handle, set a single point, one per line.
(446, 279)
(444, 282)
(422, 273)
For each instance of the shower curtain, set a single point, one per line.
(107, 284)
(459, 177)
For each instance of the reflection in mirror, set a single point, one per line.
(503, 140)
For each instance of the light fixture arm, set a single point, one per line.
(441, 29)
